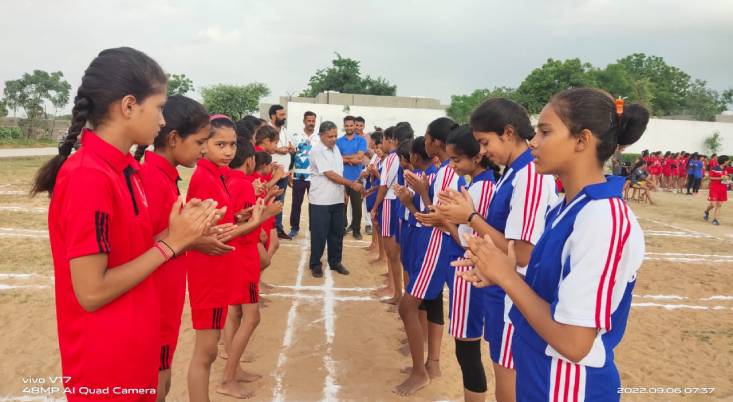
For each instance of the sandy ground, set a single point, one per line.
(328, 339)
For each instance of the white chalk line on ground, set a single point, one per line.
(692, 232)
(27, 233)
(330, 388)
(680, 306)
(12, 192)
(20, 208)
(319, 288)
(278, 392)
(666, 233)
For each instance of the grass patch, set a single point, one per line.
(6, 143)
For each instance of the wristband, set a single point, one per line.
(164, 253)
(474, 213)
(169, 247)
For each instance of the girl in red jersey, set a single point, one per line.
(682, 172)
(718, 190)
(101, 236)
(244, 312)
(209, 278)
(180, 142)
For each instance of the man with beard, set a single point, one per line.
(300, 179)
(282, 156)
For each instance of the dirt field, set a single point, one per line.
(329, 339)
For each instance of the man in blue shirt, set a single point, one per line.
(352, 148)
(300, 180)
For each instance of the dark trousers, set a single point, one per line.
(355, 201)
(300, 187)
(693, 183)
(326, 226)
(283, 184)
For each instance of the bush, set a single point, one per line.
(11, 133)
(629, 159)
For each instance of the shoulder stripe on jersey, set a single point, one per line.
(101, 225)
(621, 228)
(537, 196)
(527, 190)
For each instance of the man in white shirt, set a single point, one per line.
(326, 208)
(283, 157)
(300, 179)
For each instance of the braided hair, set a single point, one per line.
(112, 75)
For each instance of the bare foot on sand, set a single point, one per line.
(392, 300)
(234, 389)
(432, 367)
(413, 383)
(243, 376)
(378, 260)
(383, 292)
(247, 357)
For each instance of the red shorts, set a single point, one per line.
(246, 275)
(667, 172)
(166, 356)
(170, 281)
(682, 173)
(717, 192)
(209, 318)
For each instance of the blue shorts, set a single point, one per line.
(370, 201)
(545, 378)
(434, 253)
(389, 219)
(408, 246)
(498, 331)
(466, 305)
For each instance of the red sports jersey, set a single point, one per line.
(247, 260)
(98, 206)
(208, 275)
(717, 191)
(160, 181)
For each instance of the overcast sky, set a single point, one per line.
(427, 48)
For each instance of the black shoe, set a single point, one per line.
(282, 235)
(707, 215)
(317, 271)
(340, 269)
(357, 236)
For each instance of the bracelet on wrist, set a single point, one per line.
(165, 253)
(474, 213)
(173, 252)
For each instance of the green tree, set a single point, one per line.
(714, 142)
(34, 92)
(179, 84)
(669, 84)
(554, 76)
(235, 101)
(702, 102)
(461, 106)
(345, 76)
(3, 109)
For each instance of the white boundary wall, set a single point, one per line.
(683, 135)
(374, 116)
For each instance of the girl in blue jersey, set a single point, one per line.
(516, 212)
(571, 309)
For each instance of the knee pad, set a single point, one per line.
(434, 309)
(468, 354)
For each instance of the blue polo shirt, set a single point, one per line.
(350, 147)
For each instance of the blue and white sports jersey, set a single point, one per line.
(417, 201)
(521, 199)
(481, 190)
(584, 266)
(390, 173)
(517, 209)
